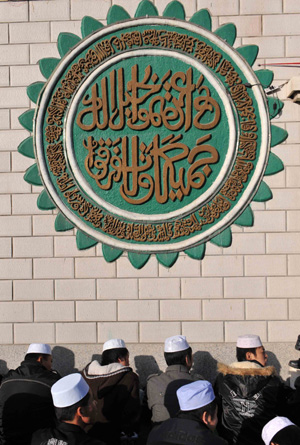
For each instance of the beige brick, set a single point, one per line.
(4, 162)
(201, 288)
(222, 266)
(184, 267)
(5, 248)
(177, 310)
(293, 177)
(6, 333)
(96, 311)
(29, 32)
(58, 27)
(25, 333)
(76, 332)
(75, 290)
(203, 331)
(291, 6)
(5, 290)
(264, 265)
(15, 113)
(223, 309)
(293, 221)
(125, 269)
(4, 120)
(13, 97)
(25, 204)
(290, 113)
(53, 268)
(54, 311)
(259, 7)
(246, 26)
(44, 225)
(4, 74)
(15, 225)
(5, 205)
(293, 265)
(39, 50)
(280, 25)
(138, 310)
(283, 287)
(268, 221)
(14, 11)
(24, 75)
(247, 243)
(244, 287)
(97, 9)
(266, 309)
(30, 247)
(268, 46)
(19, 55)
(293, 129)
(283, 331)
(235, 328)
(65, 246)
(118, 289)
(33, 290)
(3, 33)
(94, 268)
(288, 199)
(294, 309)
(15, 137)
(128, 331)
(219, 7)
(288, 153)
(159, 288)
(212, 249)
(15, 269)
(13, 183)
(283, 243)
(49, 10)
(276, 181)
(282, 73)
(157, 332)
(16, 312)
(20, 163)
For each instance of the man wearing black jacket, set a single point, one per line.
(25, 397)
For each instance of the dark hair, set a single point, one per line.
(68, 412)
(210, 409)
(178, 357)
(289, 435)
(113, 355)
(35, 356)
(241, 353)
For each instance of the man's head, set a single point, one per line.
(281, 431)
(199, 398)
(178, 352)
(249, 347)
(115, 351)
(73, 401)
(41, 353)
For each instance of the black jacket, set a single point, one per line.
(185, 429)
(68, 433)
(25, 402)
(249, 395)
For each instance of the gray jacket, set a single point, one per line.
(161, 391)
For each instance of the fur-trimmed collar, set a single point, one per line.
(246, 368)
(95, 369)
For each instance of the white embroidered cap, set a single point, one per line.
(113, 344)
(195, 395)
(249, 341)
(176, 343)
(273, 427)
(39, 348)
(69, 390)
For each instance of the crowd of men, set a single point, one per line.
(249, 403)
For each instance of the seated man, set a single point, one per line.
(195, 422)
(116, 388)
(75, 408)
(249, 393)
(25, 397)
(281, 431)
(162, 387)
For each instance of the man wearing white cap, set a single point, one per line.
(25, 397)
(281, 431)
(194, 423)
(75, 409)
(162, 387)
(116, 388)
(249, 393)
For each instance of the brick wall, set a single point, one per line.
(51, 292)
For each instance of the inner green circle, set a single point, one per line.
(150, 134)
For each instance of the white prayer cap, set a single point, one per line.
(273, 427)
(249, 341)
(113, 344)
(176, 343)
(69, 390)
(39, 348)
(195, 395)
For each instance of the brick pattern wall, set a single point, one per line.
(51, 292)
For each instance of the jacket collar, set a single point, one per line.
(246, 368)
(177, 368)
